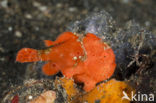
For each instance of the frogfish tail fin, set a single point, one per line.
(27, 55)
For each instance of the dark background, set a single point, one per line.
(26, 23)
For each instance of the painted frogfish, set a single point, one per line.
(85, 58)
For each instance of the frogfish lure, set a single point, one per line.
(86, 59)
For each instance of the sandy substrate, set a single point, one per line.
(26, 23)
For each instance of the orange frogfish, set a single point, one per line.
(86, 59)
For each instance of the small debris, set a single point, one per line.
(2, 49)
(15, 99)
(10, 28)
(40, 7)
(46, 97)
(147, 23)
(28, 16)
(59, 5)
(4, 3)
(30, 97)
(18, 34)
(125, 1)
(2, 59)
(72, 9)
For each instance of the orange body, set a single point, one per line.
(86, 59)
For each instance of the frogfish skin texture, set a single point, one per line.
(86, 59)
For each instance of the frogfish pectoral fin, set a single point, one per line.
(27, 55)
(50, 68)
